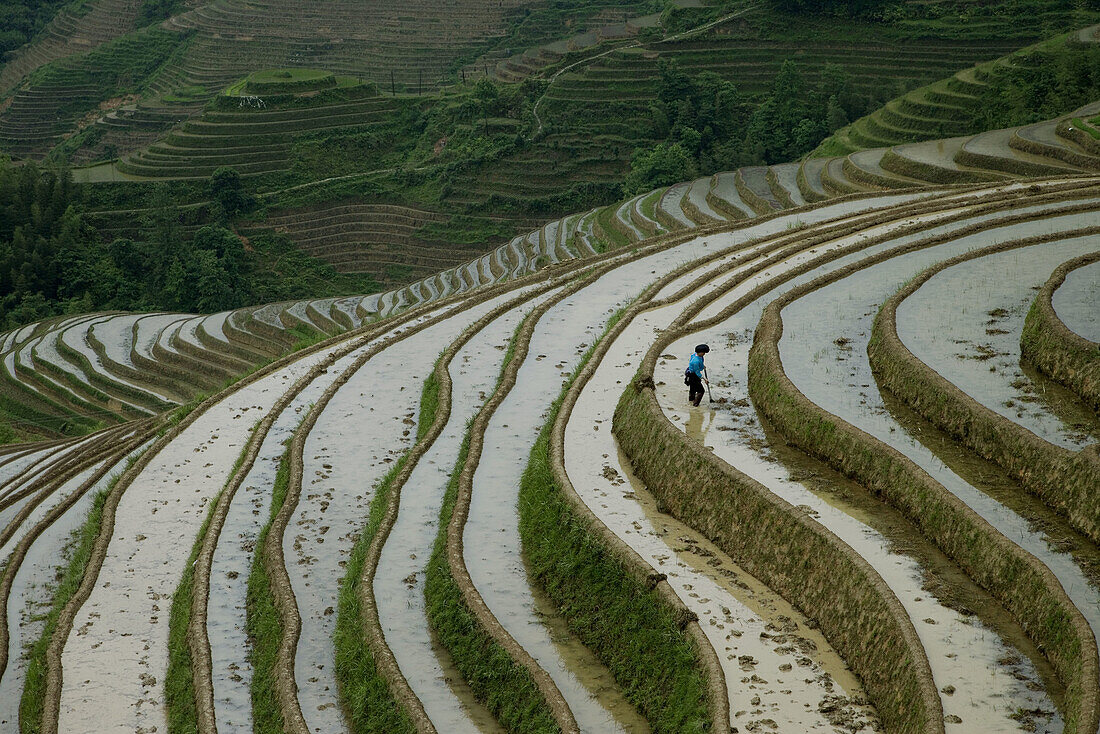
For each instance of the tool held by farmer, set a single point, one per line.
(695, 375)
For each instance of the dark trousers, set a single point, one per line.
(695, 388)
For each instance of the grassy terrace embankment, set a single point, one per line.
(598, 597)
(60, 94)
(1056, 350)
(72, 30)
(1065, 480)
(270, 136)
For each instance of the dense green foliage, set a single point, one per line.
(1044, 83)
(53, 262)
(707, 124)
(20, 20)
(39, 221)
(153, 10)
(647, 115)
(1039, 82)
(941, 15)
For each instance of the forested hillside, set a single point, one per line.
(560, 107)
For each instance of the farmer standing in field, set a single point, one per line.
(695, 377)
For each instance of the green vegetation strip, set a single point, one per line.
(1056, 350)
(181, 707)
(1063, 479)
(265, 625)
(611, 607)
(32, 705)
(1028, 589)
(367, 695)
(506, 688)
(501, 674)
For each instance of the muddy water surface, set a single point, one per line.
(965, 323)
(776, 674)
(32, 591)
(823, 346)
(780, 225)
(231, 670)
(1077, 301)
(399, 580)
(369, 423)
(115, 656)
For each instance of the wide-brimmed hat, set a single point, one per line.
(702, 349)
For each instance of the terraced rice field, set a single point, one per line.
(941, 109)
(483, 503)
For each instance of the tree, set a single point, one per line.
(225, 188)
(486, 95)
(835, 118)
(662, 165)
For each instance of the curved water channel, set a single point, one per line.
(1077, 301)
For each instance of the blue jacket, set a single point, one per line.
(696, 365)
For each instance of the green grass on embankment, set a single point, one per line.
(265, 629)
(505, 687)
(365, 693)
(613, 613)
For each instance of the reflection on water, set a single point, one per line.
(699, 421)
